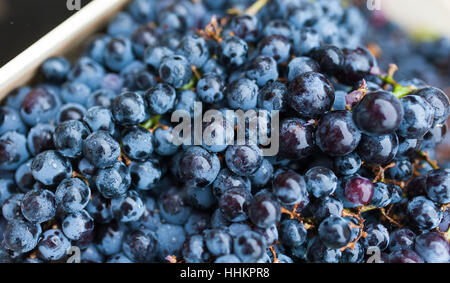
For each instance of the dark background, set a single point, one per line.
(23, 22)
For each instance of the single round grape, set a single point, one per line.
(101, 149)
(40, 138)
(69, 137)
(234, 204)
(197, 167)
(78, 225)
(321, 181)
(378, 149)
(359, 190)
(310, 95)
(243, 160)
(336, 134)
(170, 240)
(438, 185)
(128, 208)
(113, 182)
(218, 242)
(145, 175)
(423, 213)
(72, 195)
(140, 245)
(264, 209)
(347, 165)
(292, 233)
(249, 246)
(418, 117)
(377, 236)
(438, 100)
(21, 236)
(381, 195)
(401, 239)
(39, 205)
(110, 238)
(433, 248)
(11, 208)
(262, 69)
(296, 139)
(335, 232)
(53, 245)
(13, 150)
(138, 143)
(173, 206)
(378, 113)
(290, 188)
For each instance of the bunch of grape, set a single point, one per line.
(88, 159)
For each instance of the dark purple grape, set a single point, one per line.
(234, 204)
(290, 188)
(329, 57)
(359, 190)
(438, 100)
(378, 113)
(418, 117)
(433, 247)
(401, 239)
(264, 209)
(378, 149)
(357, 64)
(423, 213)
(310, 95)
(337, 134)
(438, 186)
(335, 232)
(405, 256)
(296, 139)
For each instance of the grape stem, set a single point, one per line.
(357, 216)
(275, 258)
(196, 72)
(76, 174)
(399, 90)
(386, 215)
(427, 158)
(294, 214)
(256, 7)
(379, 175)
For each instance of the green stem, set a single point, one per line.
(190, 84)
(256, 7)
(151, 122)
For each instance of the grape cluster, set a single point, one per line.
(88, 158)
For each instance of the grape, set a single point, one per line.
(53, 245)
(321, 181)
(290, 188)
(296, 139)
(336, 134)
(292, 233)
(310, 95)
(378, 149)
(377, 236)
(438, 185)
(335, 232)
(264, 209)
(249, 246)
(433, 248)
(359, 190)
(378, 113)
(423, 213)
(140, 245)
(72, 195)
